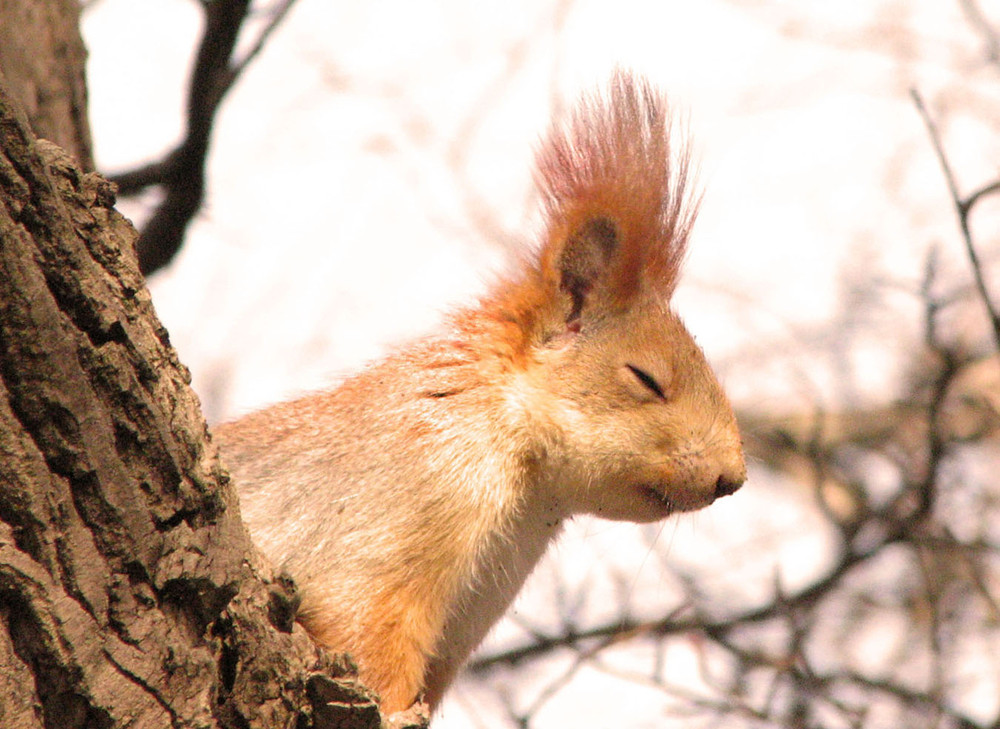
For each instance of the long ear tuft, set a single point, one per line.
(614, 185)
(615, 191)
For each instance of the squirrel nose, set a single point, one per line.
(726, 486)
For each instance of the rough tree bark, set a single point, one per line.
(130, 594)
(129, 591)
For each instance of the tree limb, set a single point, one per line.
(963, 206)
(181, 173)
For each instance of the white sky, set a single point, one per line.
(337, 221)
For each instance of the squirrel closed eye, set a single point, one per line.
(647, 381)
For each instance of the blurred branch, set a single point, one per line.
(598, 637)
(963, 206)
(982, 25)
(181, 173)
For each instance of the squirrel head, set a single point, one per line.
(629, 419)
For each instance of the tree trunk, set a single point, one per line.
(130, 594)
(43, 59)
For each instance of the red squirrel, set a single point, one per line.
(410, 503)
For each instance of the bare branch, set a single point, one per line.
(982, 192)
(963, 208)
(181, 173)
(277, 16)
(978, 20)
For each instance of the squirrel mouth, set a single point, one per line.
(657, 496)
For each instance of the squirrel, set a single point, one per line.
(410, 503)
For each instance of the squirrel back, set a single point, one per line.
(411, 502)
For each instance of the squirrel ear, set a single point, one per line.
(584, 259)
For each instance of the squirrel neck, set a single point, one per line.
(495, 513)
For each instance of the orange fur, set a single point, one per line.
(614, 157)
(398, 624)
(411, 502)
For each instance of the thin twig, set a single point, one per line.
(963, 208)
(982, 192)
(277, 16)
(977, 19)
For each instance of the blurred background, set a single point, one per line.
(370, 168)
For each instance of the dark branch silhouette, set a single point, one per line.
(963, 207)
(181, 173)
